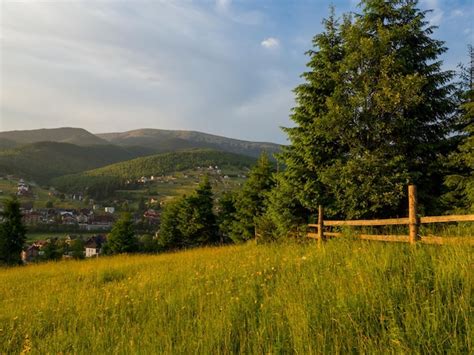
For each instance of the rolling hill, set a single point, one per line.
(171, 140)
(76, 136)
(103, 181)
(44, 160)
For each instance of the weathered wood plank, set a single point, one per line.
(326, 234)
(367, 222)
(453, 218)
(312, 235)
(333, 234)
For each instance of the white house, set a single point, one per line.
(110, 210)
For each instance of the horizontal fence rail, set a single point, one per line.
(413, 222)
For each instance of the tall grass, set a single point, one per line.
(343, 296)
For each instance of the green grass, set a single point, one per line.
(40, 196)
(343, 296)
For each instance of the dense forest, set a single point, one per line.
(43, 161)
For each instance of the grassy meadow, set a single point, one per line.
(339, 297)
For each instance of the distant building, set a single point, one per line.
(110, 210)
(30, 253)
(152, 216)
(93, 246)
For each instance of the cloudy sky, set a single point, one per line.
(225, 67)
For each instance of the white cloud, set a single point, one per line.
(223, 5)
(457, 13)
(435, 17)
(270, 43)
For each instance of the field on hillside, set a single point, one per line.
(183, 183)
(40, 196)
(342, 296)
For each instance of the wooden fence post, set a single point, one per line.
(320, 223)
(412, 214)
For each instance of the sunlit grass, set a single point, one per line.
(342, 296)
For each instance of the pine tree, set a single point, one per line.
(12, 234)
(461, 182)
(250, 202)
(122, 238)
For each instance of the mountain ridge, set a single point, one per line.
(170, 140)
(72, 135)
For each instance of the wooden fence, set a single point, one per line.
(413, 222)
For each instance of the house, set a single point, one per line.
(82, 218)
(99, 222)
(93, 246)
(23, 189)
(77, 196)
(68, 219)
(30, 253)
(151, 216)
(32, 217)
(143, 180)
(109, 209)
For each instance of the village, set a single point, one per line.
(72, 232)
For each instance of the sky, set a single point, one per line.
(225, 67)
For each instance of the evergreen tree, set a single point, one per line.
(77, 248)
(12, 233)
(169, 236)
(250, 202)
(196, 219)
(189, 221)
(373, 115)
(461, 182)
(298, 189)
(392, 111)
(53, 250)
(226, 214)
(122, 237)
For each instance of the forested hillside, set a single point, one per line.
(44, 160)
(100, 182)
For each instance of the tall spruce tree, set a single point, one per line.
(298, 189)
(250, 201)
(12, 234)
(372, 116)
(196, 220)
(392, 111)
(460, 182)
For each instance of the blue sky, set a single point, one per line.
(224, 66)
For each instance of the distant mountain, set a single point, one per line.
(167, 140)
(103, 181)
(44, 160)
(77, 136)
